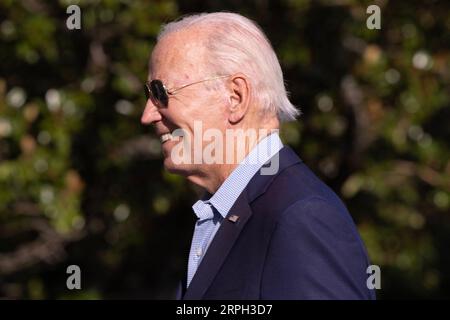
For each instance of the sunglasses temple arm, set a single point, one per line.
(173, 90)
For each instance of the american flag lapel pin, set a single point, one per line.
(233, 218)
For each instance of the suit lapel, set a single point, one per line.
(219, 248)
(179, 291)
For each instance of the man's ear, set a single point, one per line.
(239, 87)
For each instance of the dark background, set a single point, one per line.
(82, 181)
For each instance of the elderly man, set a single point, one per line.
(267, 227)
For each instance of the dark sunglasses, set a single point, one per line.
(157, 92)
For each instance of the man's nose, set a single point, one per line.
(151, 114)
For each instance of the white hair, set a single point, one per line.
(237, 44)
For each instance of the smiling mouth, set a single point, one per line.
(166, 137)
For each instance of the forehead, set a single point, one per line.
(178, 57)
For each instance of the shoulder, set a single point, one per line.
(304, 207)
(297, 188)
(318, 217)
(315, 252)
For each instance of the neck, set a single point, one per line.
(211, 176)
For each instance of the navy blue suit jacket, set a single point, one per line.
(294, 239)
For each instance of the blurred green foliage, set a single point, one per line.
(82, 182)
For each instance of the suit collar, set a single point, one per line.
(227, 194)
(231, 228)
(259, 183)
(219, 248)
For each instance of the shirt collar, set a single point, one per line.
(232, 187)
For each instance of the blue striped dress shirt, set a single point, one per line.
(211, 212)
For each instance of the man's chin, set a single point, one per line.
(180, 169)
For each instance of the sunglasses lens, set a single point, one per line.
(147, 92)
(158, 93)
